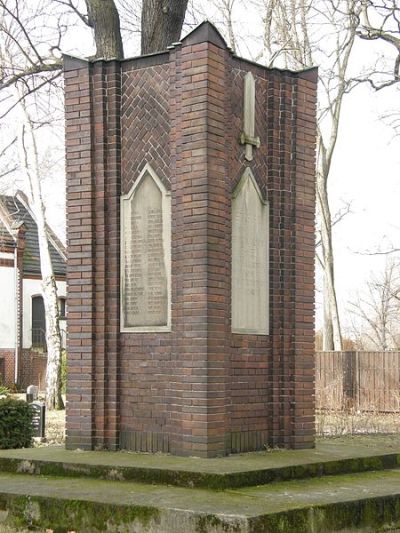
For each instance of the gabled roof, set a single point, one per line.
(6, 238)
(15, 210)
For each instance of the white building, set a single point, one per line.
(22, 317)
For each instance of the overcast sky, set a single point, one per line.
(366, 171)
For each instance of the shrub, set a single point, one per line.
(15, 424)
(4, 391)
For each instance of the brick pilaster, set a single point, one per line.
(112, 259)
(200, 206)
(81, 250)
(304, 343)
(93, 183)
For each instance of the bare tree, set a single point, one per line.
(293, 33)
(225, 9)
(380, 21)
(161, 23)
(29, 156)
(335, 86)
(375, 314)
(29, 76)
(103, 17)
(26, 53)
(298, 34)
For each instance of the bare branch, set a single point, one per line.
(29, 72)
(68, 3)
(22, 28)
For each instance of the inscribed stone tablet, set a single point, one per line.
(145, 256)
(249, 258)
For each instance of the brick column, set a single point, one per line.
(218, 254)
(81, 247)
(93, 190)
(303, 433)
(201, 243)
(112, 215)
(275, 186)
(106, 90)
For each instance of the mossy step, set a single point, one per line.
(360, 502)
(330, 457)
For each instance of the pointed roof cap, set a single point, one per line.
(205, 32)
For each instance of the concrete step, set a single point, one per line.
(330, 457)
(368, 502)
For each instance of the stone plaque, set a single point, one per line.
(145, 250)
(250, 236)
(38, 419)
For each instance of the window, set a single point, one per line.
(38, 323)
(62, 308)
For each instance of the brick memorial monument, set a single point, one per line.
(190, 208)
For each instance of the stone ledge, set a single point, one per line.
(330, 457)
(361, 502)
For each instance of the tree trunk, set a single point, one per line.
(30, 163)
(53, 334)
(332, 336)
(327, 327)
(104, 19)
(162, 22)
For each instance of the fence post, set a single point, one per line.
(349, 380)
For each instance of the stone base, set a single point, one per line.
(99, 491)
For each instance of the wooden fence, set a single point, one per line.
(365, 381)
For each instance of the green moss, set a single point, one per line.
(364, 515)
(77, 514)
(286, 522)
(332, 456)
(207, 523)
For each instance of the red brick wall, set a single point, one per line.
(7, 363)
(198, 389)
(33, 371)
(34, 366)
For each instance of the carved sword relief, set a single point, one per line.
(247, 136)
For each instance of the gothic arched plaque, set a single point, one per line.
(250, 236)
(146, 255)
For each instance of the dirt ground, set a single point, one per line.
(328, 424)
(55, 428)
(338, 423)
